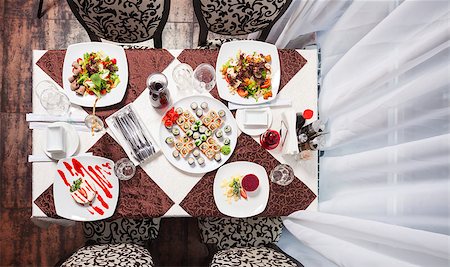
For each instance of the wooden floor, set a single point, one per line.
(21, 242)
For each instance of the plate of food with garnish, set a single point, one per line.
(85, 188)
(198, 134)
(95, 73)
(241, 189)
(248, 72)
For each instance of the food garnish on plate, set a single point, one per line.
(236, 189)
(82, 191)
(94, 74)
(249, 75)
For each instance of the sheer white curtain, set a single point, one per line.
(385, 94)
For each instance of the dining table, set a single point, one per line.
(158, 189)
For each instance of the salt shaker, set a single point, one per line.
(159, 93)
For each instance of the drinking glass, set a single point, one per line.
(94, 123)
(282, 174)
(124, 169)
(270, 139)
(182, 74)
(204, 78)
(52, 100)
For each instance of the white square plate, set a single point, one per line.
(104, 179)
(258, 117)
(256, 201)
(76, 51)
(229, 50)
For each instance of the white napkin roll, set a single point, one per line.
(290, 145)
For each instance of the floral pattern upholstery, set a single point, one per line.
(236, 17)
(122, 21)
(240, 232)
(136, 231)
(110, 255)
(251, 257)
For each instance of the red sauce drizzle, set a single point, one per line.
(100, 181)
(98, 210)
(104, 204)
(100, 170)
(68, 167)
(107, 165)
(61, 173)
(91, 212)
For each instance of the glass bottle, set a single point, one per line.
(159, 93)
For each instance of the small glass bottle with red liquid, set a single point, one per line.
(159, 93)
(270, 139)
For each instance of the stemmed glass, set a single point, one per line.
(124, 169)
(52, 100)
(204, 78)
(182, 74)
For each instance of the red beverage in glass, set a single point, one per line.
(270, 139)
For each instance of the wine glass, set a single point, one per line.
(124, 169)
(182, 74)
(204, 78)
(270, 139)
(51, 99)
(282, 174)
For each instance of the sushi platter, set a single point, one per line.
(198, 134)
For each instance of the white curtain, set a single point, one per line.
(385, 94)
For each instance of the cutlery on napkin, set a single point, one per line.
(290, 146)
(52, 118)
(277, 102)
(45, 158)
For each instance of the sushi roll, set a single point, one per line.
(186, 126)
(208, 132)
(219, 134)
(184, 151)
(189, 133)
(175, 154)
(227, 129)
(194, 105)
(226, 141)
(198, 142)
(186, 113)
(199, 113)
(198, 123)
(203, 137)
(221, 113)
(185, 139)
(196, 153)
(196, 135)
(202, 129)
(201, 161)
(204, 147)
(213, 115)
(169, 140)
(178, 145)
(211, 141)
(179, 111)
(204, 105)
(190, 145)
(168, 125)
(218, 157)
(210, 154)
(194, 127)
(175, 131)
(181, 121)
(191, 161)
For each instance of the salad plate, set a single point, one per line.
(85, 188)
(248, 72)
(198, 134)
(102, 67)
(240, 207)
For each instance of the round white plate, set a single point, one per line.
(242, 208)
(229, 50)
(210, 164)
(72, 141)
(252, 130)
(76, 51)
(66, 206)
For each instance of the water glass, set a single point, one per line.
(183, 74)
(124, 169)
(52, 100)
(204, 78)
(282, 174)
(94, 123)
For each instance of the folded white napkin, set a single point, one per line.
(290, 146)
(53, 118)
(277, 102)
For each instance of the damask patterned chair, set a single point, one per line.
(236, 17)
(244, 241)
(122, 21)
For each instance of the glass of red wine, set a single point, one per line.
(270, 139)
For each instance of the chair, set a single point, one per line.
(244, 241)
(110, 255)
(122, 21)
(237, 17)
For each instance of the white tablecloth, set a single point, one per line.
(301, 89)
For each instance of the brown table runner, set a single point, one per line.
(139, 197)
(283, 200)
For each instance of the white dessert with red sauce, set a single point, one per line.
(82, 191)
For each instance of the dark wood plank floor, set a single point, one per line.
(21, 242)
